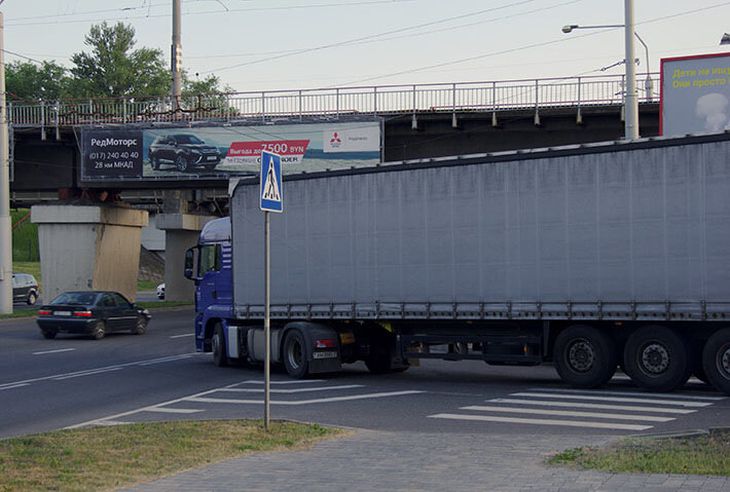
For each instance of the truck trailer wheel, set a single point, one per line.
(295, 357)
(218, 346)
(585, 356)
(657, 359)
(716, 360)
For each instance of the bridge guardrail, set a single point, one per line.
(264, 106)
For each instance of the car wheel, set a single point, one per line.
(181, 163)
(32, 298)
(49, 334)
(99, 330)
(218, 346)
(295, 355)
(140, 326)
(155, 163)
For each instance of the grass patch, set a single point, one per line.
(25, 236)
(19, 314)
(32, 267)
(103, 458)
(701, 455)
(163, 304)
(147, 285)
(152, 305)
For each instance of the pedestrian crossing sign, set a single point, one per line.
(272, 196)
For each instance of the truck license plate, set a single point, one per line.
(325, 355)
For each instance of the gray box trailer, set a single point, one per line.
(588, 256)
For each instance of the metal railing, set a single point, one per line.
(265, 106)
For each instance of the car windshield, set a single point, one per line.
(76, 298)
(187, 139)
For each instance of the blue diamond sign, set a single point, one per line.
(272, 196)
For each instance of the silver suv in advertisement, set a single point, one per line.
(184, 151)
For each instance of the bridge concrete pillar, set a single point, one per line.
(181, 232)
(89, 248)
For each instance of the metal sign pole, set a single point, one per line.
(267, 322)
(271, 200)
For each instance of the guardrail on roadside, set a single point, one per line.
(265, 106)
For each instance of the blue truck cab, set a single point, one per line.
(210, 266)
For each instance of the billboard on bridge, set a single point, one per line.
(695, 94)
(219, 152)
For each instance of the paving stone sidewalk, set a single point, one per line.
(374, 460)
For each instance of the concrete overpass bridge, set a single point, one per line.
(418, 121)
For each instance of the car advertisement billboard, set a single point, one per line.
(695, 94)
(219, 152)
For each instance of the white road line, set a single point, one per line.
(621, 377)
(292, 381)
(568, 413)
(56, 376)
(297, 390)
(109, 418)
(630, 393)
(162, 360)
(562, 404)
(182, 336)
(88, 373)
(305, 402)
(561, 423)
(616, 399)
(19, 385)
(173, 410)
(57, 351)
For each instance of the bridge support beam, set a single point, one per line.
(89, 248)
(181, 232)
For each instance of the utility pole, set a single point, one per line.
(6, 238)
(176, 54)
(632, 103)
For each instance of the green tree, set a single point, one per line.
(113, 68)
(208, 86)
(33, 82)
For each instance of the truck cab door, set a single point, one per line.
(209, 265)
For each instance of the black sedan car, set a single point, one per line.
(184, 151)
(94, 313)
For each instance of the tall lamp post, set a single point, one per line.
(631, 123)
(6, 242)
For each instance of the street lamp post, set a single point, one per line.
(631, 123)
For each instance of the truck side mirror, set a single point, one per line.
(189, 263)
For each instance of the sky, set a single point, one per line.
(255, 45)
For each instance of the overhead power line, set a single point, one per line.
(530, 46)
(205, 12)
(371, 36)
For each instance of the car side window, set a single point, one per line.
(120, 301)
(108, 301)
(209, 259)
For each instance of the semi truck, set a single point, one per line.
(590, 257)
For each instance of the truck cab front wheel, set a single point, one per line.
(218, 346)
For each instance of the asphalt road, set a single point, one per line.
(72, 380)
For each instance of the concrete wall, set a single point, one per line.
(89, 248)
(181, 232)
